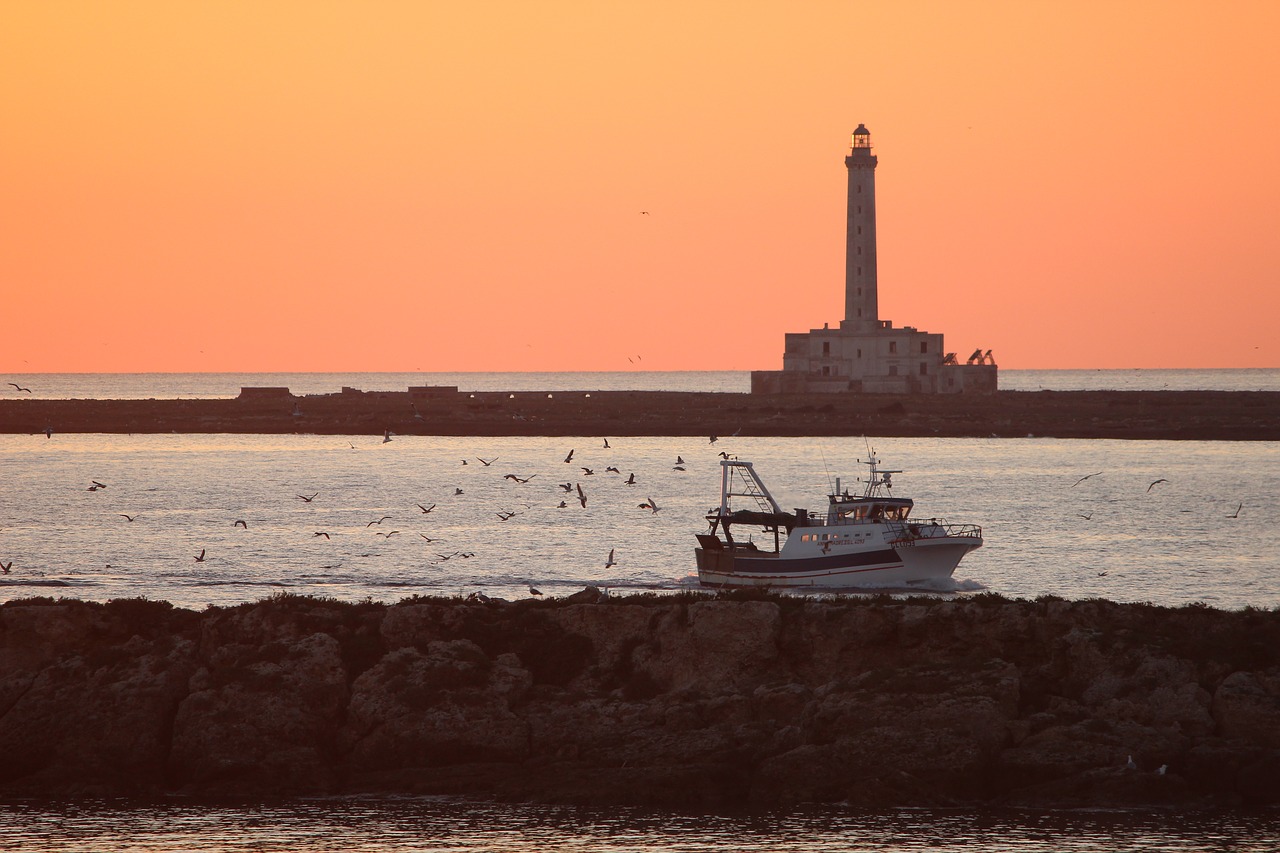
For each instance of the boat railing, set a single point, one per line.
(909, 532)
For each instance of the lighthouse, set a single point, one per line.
(865, 354)
(861, 309)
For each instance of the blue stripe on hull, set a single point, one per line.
(724, 562)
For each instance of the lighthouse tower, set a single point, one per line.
(866, 354)
(861, 308)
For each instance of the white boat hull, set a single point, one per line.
(920, 563)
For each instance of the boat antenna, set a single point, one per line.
(831, 486)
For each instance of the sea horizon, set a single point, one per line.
(213, 384)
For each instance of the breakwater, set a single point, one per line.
(691, 700)
(1204, 415)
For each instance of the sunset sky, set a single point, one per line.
(444, 186)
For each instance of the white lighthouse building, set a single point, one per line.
(866, 353)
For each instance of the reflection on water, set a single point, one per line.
(385, 825)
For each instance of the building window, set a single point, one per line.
(924, 346)
(859, 353)
(859, 229)
(859, 188)
(859, 291)
(826, 347)
(826, 371)
(893, 347)
(859, 208)
(859, 312)
(859, 270)
(924, 368)
(859, 250)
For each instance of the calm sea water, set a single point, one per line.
(142, 386)
(382, 826)
(1112, 535)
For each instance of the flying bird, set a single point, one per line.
(127, 517)
(457, 491)
(568, 487)
(426, 537)
(679, 459)
(386, 436)
(505, 514)
(1236, 514)
(1082, 479)
(379, 521)
(651, 504)
(606, 444)
(425, 509)
(240, 523)
(610, 563)
(631, 480)
(1154, 483)
(5, 567)
(306, 499)
(20, 388)
(518, 479)
(487, 462)
(677, 468)
(569, 458)
(587, 472)
(321, 533)
(713, 440)
(200, 558)
(562, 505)
(582, 498)
(611, 470)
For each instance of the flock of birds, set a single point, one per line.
(571, 488)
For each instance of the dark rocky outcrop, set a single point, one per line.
(686, 700)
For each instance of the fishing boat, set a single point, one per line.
(862, 540)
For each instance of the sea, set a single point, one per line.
(201, 520)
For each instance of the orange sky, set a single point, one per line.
(253, 186)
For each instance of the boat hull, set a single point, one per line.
(921, 563)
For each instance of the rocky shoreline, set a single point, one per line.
(689, 701)
(1200, 415)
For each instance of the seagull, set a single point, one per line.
(48, 432)
(678, 468)
(518, 479)
(127, 517)
(562, 505)
(97, 485)
(582, 498)
(724, 454)
(1236, 514)
(1155, 482)
(653, 505)
(20, 388)
(379, 521)
(679, 459)
(1102, 574)
(486, 462)
(610, 563)
(606, 445)
(464, 462)
(1130, 765)
(240, 523)
(631, 480)
(714, 439)
(1162, 769)
(321, 533)
(426, 537)
(386, 436)
(1082, 479)
(569, 458)
(306, 499)
(611, 470)
(568, 487)
(425, 509)
(389, 535)
(457, 491)
(505, 514)
(199, 559)
(534, 590)
(587, 472)
(5, 567)
(1085, 517)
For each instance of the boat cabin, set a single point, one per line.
(846, 509)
